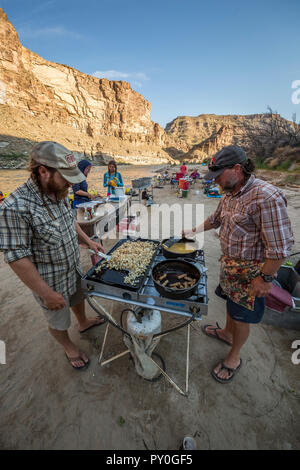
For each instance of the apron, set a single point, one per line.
(236, 276)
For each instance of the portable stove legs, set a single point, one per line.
(102, 350)
(160, 369)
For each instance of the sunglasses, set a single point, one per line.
(219, 167)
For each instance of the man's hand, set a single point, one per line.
(188, 233)
(96, 246)
(260, 287)
(54, 301)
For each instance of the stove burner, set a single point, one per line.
(147, 293)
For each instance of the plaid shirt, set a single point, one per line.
(28, 231)
(254, 223)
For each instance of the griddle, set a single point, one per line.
(112, 277)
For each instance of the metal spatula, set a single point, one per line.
(99, 253)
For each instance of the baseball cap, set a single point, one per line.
(57, 156)
(226, 157)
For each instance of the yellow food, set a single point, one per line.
(182, 248)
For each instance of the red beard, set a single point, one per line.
(59, 192)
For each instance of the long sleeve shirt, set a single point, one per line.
(108, 178)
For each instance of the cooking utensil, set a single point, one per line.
(99, 253)
(173, 269)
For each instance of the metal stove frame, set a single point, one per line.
(147, 297)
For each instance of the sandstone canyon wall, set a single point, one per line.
(42, 100)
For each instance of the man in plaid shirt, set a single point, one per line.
(39, 238)
(255, 237)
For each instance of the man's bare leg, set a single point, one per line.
(71, 350)
(83, 321)
(226, 332)
(241, 332)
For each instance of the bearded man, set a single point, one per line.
(39, 237)
(255, 237)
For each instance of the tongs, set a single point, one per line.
(102, 255)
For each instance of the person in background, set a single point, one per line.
(112, 178)
(80, 190)
(195, 174)
(1, 197)
(183, 169)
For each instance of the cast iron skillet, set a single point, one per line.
(175, 267)
(168, 242)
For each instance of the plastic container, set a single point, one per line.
(185, 193)
(128, 223)
(141, 182)
(119, 192)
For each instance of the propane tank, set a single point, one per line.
(144, 322)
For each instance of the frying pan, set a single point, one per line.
(174, 268)
(168, 242)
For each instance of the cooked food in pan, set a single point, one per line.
(132, 256)
(182, 248)
(175, 281)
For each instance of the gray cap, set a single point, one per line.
(57, 156)
(226, 157)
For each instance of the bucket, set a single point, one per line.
(185, 193)
(181, 183)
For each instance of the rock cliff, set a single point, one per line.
(194, 130)
(260, 134)
(42, 100)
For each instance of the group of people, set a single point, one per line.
(111, 180)
(183, 172)
(39, 237)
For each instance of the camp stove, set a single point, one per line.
(144, 294)
(141, 337)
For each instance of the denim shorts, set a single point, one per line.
(239, 313)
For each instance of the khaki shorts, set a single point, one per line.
(61, 319)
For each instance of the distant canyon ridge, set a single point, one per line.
(100, 119)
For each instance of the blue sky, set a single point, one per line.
(186, 57)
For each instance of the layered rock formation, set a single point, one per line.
(42, 100)
(259, 134)
(194, 130)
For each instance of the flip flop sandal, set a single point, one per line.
(78, 358)
(233, 372)
(92, 326)
(215, 328)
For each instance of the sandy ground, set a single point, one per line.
(45, 404)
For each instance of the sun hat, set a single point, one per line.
(57, 156)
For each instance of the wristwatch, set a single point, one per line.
(267, 277)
